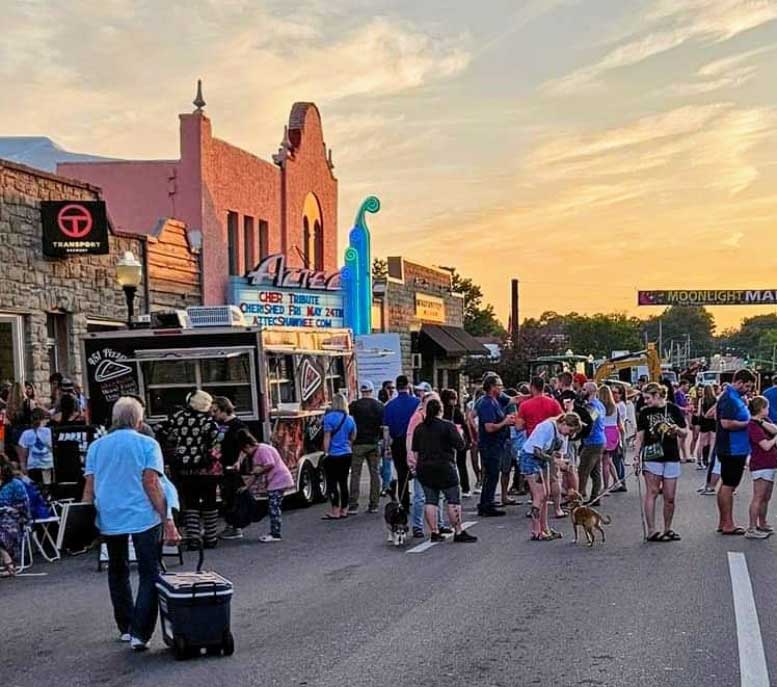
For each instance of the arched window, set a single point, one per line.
(318, 246)
(313, 233)
(307, 253)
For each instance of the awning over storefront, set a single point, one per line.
(452, 341)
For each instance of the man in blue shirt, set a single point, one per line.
(732, 444)
(592, 447)
(123, 471)
(771, 396)
(396, 417)
(493, 440)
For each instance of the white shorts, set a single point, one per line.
(665, 470)
(768, 474)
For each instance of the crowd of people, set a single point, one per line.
(428, 449)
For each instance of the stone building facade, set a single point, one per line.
(47, 304)
(240, 207)
(418, 302)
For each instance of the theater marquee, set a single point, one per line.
(708, 297)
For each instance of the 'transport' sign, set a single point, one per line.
(708, 297)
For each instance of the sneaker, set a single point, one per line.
(699, 466)
(477, 490)
(707, 491)
(464, 537)
(756, 534)
(231, 533)
(466, 495)
(138, 644)
(436, 537)
(125, 637)
(268, 538)
(372, 509)
(353, 509)
(418, 534)
(446, 530)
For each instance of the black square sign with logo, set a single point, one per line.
(72, 227)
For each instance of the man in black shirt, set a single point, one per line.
(229, 425)
(367, 412)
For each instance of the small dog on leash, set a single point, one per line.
(585, 517)
(396, 518)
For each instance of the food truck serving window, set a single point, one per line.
(168, 376)
(280, 369)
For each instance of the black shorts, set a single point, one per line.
(731, 470)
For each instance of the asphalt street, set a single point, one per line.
(335, 605)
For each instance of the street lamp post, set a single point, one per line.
(129, 274)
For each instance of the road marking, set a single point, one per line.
(429, 544)
(753, 671)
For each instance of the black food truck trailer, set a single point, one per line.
(280, 380)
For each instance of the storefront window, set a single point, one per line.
(57, 339)
(11, 369)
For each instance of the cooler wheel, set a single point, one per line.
(180, 648)
(228, 645)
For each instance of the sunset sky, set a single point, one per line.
(587, 147)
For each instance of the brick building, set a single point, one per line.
(418, 302)
(242, 208)
(47, 304)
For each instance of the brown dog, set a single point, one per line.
(585, 517)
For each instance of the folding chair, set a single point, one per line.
(31, 540)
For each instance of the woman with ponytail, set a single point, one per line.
(435, 443)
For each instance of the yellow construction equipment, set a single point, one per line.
(649, 358)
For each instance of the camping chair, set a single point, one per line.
(38, 535)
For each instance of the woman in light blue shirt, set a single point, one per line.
(339, 433)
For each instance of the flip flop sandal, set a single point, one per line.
(555, 534)
(768, 528)
(330, 517)
(656, 536)
(670, 535)
(540, 537)
(736, 532)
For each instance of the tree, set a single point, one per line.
(479, 319)
(601, 334)
(680, 324)
(755, 338)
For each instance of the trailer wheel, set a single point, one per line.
(180, 649)
(307, 485)
(322, 488)
(228, 646)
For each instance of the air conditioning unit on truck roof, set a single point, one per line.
(215, 316)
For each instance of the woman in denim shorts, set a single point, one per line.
(548, 439)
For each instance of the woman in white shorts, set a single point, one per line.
(660, 427)
(763, 466)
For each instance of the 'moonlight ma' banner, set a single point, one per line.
(708, 297)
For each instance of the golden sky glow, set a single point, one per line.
(588, 147)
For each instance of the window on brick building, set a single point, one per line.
(307, 247)
(249, 243)
(232, 243)
(318, 246)
(264, 239)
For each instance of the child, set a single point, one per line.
(35, 452)
(262, 460)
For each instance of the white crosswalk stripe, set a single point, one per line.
(425, 546)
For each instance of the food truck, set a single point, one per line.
(280, 379)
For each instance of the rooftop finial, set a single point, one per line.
(199, 101)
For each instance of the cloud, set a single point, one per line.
(668, 25)
(112, 92)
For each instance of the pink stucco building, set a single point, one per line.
(241, 207)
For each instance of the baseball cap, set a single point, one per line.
(423, 386)
(367, 385)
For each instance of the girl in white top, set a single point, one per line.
(613, 432)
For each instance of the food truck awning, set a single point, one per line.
(453, 341)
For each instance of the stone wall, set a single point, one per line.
(32, 285)
(405, 280)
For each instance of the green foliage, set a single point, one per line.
(479, 319)
(756, 338)
(678, 323)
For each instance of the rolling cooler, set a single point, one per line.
(194, 609)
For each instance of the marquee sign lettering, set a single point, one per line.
(272, 271)
(708, 297)
(275, 295)
(74, 227)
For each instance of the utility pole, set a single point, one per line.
(515, 326)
